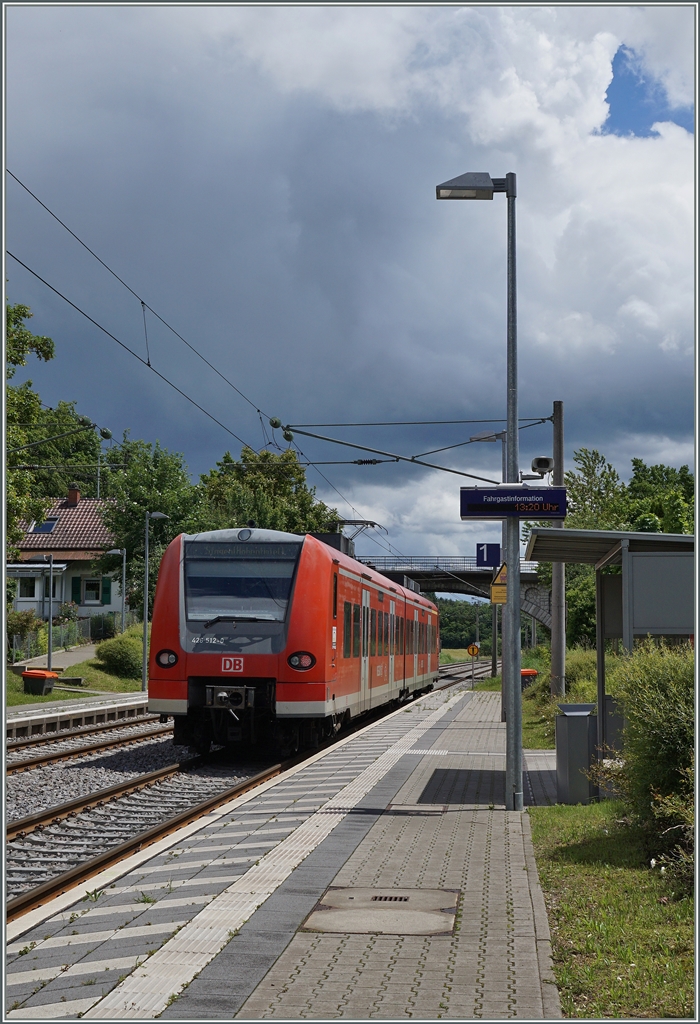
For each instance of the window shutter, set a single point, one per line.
(106, 590)
(75, 589)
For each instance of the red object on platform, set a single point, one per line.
(529, 672)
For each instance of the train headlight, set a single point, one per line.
(166, 659)
(301, 661)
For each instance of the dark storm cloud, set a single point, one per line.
(297, 242)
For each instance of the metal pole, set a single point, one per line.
(98, 475)
(123, 589)
(514, 739)
(558, 666)
(504, 620)
(49, 660)
(144, 668)
(494, 640)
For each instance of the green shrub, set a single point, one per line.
(22, 623)
(656, 686)
(122, 656)
(102, 627)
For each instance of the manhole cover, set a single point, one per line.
(385, 911)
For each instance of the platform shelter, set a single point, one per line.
(652, 594)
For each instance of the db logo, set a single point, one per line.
(232, 664)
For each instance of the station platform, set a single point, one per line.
(383, 878)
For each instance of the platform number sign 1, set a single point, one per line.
(473, 652)
(488, 555)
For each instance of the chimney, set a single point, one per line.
(73, 494)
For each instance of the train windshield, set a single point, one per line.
(239, 582)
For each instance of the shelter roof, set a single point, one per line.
(547, 544)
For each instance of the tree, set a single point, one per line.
(269, 489)
(23, 408)
(21, 341)
(155, 480)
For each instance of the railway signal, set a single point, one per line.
(473, 651)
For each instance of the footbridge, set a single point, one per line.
(459, 574)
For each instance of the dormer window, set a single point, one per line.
(45, 527)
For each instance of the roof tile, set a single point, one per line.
(79, 527)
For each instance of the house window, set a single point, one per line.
(45, 527)
(91, 590)
(27, 587)
(46, 586)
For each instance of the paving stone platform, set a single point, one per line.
(410, 809)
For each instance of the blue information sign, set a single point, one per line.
(488, 556)
(513, 501)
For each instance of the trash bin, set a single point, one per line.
(39, 681)
(527, 676)
(575, 740)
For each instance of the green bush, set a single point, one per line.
(122, 656)
(22, 623)
(656, 686)
(102, 627)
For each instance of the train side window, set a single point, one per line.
(356, 627)
(386, 634)
(347, 628)
(373, 633)
(380, 637)
(335, 595)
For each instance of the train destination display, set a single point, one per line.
(513, 502)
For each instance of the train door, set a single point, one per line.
(392, 643)
(364, 654)
(416, 634)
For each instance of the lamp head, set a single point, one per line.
(472, 185)
(157, 515)
(115, 551)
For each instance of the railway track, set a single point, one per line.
(88, 836)
(59, 736)
(67, 753)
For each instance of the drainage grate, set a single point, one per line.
(390, 899)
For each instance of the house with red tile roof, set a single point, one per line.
(74, 533)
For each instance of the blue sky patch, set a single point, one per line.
(637, 100)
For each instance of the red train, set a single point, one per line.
(267, 637)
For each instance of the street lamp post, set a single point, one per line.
(144, 667)
(49, 658)
(482, 186)
(122, 552)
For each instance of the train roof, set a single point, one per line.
(244, 533)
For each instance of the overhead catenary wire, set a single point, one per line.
(475, 440)
(129, 350)
(398, 458)
(144, 304)
(412, 423)
(390, 548)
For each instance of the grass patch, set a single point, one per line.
(452, 655)
(622, 944)
(95, 679)
(536, 732)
